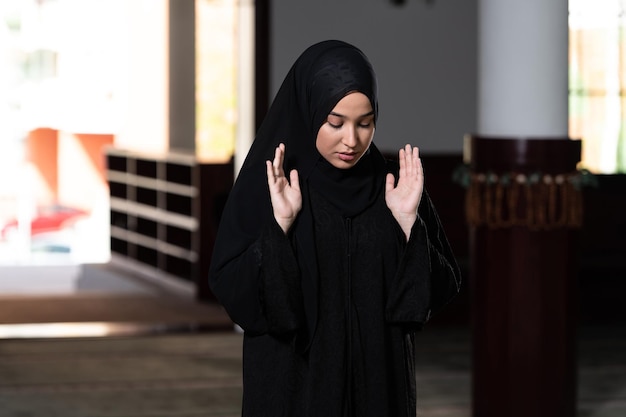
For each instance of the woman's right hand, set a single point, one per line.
(285, 194)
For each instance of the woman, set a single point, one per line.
(331, 270)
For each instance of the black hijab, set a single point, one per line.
(324, 74)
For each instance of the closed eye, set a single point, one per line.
(336, 121)
(366, 122)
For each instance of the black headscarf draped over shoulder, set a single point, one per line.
(322, 75)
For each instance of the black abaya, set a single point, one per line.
(329, 310)
(375, 291)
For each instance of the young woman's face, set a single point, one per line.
(348, 131)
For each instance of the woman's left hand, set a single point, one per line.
(404, 197)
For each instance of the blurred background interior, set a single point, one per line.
(123, 124)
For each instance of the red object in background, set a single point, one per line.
(48, 219)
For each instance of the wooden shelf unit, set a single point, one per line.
(164, 214)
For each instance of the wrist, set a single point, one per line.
(406, 218)
(285, 224)
(406, 222)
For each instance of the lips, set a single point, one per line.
(347, 156)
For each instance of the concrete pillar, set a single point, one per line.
(523, 210)
(522, 68)
(182, 75)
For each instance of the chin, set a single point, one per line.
(341, 164)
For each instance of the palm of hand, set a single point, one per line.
(286, 199)
(404, 197)
(285, 194)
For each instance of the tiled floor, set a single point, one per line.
(166, 375)
(198, 374)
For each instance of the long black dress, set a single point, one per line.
(329, 310)
(375, 291)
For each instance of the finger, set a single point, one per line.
(389, 182)
(402, 161)
(410, 166)
(278, 160)
(417, 163)
(271, 179)
(293, 179)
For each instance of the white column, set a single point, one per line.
(182, 75)
(144, 89)
(245, 82)
(523, 68)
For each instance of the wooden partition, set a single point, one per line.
(164, 215)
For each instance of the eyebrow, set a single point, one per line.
(358, 117)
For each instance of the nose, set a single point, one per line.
(350, 138)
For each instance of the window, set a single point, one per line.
(216, 78)
(597, 80)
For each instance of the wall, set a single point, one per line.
(602, 246)
(424, 54)
(42, 153)
(82, 169)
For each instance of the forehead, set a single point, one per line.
(353, 104)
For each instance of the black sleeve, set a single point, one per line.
(260, 288)
(428, 276)
(281, 293)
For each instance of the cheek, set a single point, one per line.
(325, 139)
(370, 136)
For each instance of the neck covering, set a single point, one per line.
(352, 190)
(321, 76)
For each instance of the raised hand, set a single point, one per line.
(285, 194)
(404, 198)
